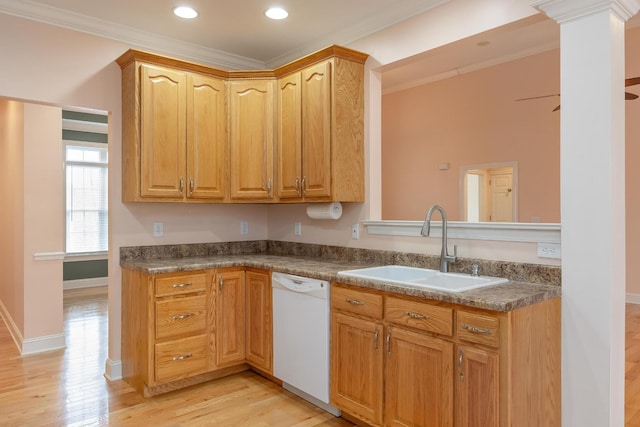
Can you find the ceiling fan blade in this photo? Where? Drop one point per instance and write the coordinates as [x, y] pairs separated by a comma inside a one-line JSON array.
[[538, 97], [556, 109], [632, 81], [628, 96]]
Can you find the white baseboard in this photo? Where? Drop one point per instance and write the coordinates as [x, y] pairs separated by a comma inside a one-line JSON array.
[[31, 345], [84, 283], [42, 344], [11, 326], [633, 298], [113, 370]]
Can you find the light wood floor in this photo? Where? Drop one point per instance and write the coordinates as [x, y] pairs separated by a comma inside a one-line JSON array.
[[67, 387]]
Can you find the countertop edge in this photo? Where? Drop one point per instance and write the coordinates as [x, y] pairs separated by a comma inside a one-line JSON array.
[[502, 298]]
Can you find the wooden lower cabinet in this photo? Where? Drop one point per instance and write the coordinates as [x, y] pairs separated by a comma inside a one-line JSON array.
[[405, 361], [229, 317], [418, 389], [477, 387], [259, 320], [356, 366]]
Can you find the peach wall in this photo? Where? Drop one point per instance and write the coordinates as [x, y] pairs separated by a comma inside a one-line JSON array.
[[43, 214], [12, 218], [472, 119], [632, 167]]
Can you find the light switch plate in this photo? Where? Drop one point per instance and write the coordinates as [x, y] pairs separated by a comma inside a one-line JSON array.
[[158, 229], [355, 231], [297, 228]]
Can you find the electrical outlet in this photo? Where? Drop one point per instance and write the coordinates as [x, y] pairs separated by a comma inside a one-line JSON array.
[[158, 229], [244, 227], [549, 250], [355, 231], [297, 228]]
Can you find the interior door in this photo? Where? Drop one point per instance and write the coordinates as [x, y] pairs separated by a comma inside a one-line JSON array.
[[501, 194]]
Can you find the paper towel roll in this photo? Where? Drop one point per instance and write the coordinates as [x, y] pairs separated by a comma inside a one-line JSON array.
[[325, 210]]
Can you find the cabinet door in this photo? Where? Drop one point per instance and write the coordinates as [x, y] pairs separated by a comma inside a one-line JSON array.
[[162, 133], [356, 366], [289, 163], [206, 138], [476, 387], [419, 388], [251, 139], [259, 327], [229, 333], [316, 130]]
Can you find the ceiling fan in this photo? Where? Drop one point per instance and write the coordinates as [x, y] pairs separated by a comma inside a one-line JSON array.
[[627, 95]]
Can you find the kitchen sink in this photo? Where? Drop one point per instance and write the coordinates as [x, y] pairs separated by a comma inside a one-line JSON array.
[[423, 278]]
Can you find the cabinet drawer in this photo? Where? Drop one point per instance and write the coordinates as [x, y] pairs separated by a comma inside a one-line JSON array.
[[181, 358], [420, 315], [478, 328], [357, 302], [180, 283], [178, 317]]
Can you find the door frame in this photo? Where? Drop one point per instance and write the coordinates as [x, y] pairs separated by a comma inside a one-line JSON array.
[[498, 165]]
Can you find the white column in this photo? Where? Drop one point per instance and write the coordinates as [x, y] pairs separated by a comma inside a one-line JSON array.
[[592, 207]]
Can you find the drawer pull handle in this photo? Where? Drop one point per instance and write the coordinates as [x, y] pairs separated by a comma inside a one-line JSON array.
[[354, 302], [182, 285], [182, 316], [415, 315], [475, 330], [186, 356]]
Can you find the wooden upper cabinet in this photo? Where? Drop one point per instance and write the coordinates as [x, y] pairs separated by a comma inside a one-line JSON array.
[[206, 138], [162, 132], [321, 132], [289, 137], [316, 130], [251, 139], [193, 133]]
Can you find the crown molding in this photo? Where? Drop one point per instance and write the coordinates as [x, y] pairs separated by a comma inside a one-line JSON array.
[[568, 10], [131, 36]]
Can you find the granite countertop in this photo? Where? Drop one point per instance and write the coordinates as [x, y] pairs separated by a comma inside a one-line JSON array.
[[505, 297]]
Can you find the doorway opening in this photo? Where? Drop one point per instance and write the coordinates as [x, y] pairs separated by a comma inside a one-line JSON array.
[[489, 192]]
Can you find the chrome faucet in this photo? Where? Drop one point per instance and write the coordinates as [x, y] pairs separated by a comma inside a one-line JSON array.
[[445, 258]]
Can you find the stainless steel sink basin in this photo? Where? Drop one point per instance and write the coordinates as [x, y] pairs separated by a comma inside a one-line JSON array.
[[423, 278]]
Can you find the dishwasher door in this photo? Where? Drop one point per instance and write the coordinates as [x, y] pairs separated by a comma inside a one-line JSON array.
[[301, 336]]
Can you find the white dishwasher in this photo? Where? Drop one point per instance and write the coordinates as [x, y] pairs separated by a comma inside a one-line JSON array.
[[301, 337]]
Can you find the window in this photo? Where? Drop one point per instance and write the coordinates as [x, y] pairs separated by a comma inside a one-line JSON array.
[[86, 197]]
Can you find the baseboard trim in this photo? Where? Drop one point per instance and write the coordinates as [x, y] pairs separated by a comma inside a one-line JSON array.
[[15, 333], [43, 344], [633, 298], [84, 283], [113, 370]]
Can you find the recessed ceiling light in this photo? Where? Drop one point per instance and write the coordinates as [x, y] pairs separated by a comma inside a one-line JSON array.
[[276, 13], [185, 12]]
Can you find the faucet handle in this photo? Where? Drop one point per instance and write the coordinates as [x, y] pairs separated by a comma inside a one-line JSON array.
[[474, 270]]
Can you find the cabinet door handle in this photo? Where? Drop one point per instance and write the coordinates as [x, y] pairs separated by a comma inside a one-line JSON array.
[[354, 301], [181, 285], [191, 186], [475, 330], [183, 357], [415, 315], [181, 186], [304, 185], [221, 283], [460, 357], [269, 187], [375, 339], [297, 185], [182, 316], [387, 342]]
